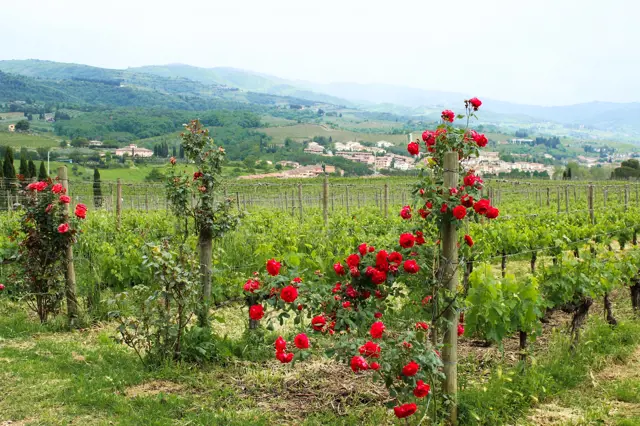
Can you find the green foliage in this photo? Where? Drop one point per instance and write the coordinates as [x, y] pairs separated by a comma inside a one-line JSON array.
[[42, 172], [22, 126]]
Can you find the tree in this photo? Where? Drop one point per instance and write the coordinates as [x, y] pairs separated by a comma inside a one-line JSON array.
[[63, 144], [173, 151], [22, 126], [24, 168], [31, 167], [97, 189], [181, 156], [9, 171], [42, 174], [155, 175]]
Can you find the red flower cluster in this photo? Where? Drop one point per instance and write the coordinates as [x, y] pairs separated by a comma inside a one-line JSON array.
[[289, 294], [484, 208], [256, 312], [407, 240], [422, 389], [370, 350], [358, 363], [81, 211], [58, 189], [411, 266], [411, 369], [37, 186], [448, 115], [413, 148], [405, 410], [197, 175], [251, 285], [405, 213], [377, 328], [65, 199]]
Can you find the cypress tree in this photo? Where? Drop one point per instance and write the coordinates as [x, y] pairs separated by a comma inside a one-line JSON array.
[[42, 174], [181, 151], [173, 152], [31, 166], [24, 168], [97, 190], [7, 167]]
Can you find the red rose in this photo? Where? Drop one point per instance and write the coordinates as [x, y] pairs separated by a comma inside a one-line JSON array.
[[459, 212], [64, 227], [420, 238], [379, 294], [1, 287], [81, 211], [58, 188], [467, 200], [372, 249], [395, 257], [354, 272], [351, 292], [370, 349], [480, 139], [358, 363], [453, 191], [411, 267], [172, 160], [251, 285], [407, 240], [481, 206], [405, 410], [468, 240], [410, 369], [448, 115], [475, 103], [65, 199], [422, 326], [273, 267], [366, 294], [426, 299], [429, 137], [296, 280], [353, 261], [301, 341], [346, 304], [37, 186], [339, 269], [444, 208], [377, 315], [378, 277], [460, 330], [369, 271], [284, 358], [362, 248], [197, 175], [318, 322], [280, 344], [374, 366], [413, 148], [407, 345], [256, 312], [49, 208], [405, 213], [492, 213], [377, 328], [289, 294], [423, 213], [422, 389]]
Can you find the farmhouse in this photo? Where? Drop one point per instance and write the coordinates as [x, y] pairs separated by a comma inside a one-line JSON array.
[[12, 127], [314, 148], [134, 151]]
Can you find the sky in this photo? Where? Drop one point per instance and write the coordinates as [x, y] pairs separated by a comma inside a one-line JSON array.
[[542, 52]]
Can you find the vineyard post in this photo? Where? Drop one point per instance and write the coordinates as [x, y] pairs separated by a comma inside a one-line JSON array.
[[548, 196], [286, 201], [575, 195], [590, 202], [9, 202], [70, 276], [386, 200], [347, 197], [626, 198], [146, 199], [558, 198], [300, 200], [325, 200], [566, 198], [118, 203], [238, 201], [450, 276], [604, 195]]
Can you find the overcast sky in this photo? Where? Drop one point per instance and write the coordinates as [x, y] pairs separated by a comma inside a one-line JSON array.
[[546, 52]]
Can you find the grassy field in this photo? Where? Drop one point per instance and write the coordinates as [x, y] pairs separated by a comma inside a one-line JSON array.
[[18, 140], [307, 131]]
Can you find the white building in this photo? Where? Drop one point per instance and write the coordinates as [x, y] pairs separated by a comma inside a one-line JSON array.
[[134, 151]]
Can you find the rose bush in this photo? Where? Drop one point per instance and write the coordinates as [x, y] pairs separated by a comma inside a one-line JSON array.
[[346, 307], [48, 231]]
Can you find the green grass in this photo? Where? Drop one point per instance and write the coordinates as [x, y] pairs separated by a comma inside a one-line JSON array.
[[18, 140]]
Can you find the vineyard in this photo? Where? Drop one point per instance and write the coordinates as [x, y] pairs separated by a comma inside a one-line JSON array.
[[327, 301]]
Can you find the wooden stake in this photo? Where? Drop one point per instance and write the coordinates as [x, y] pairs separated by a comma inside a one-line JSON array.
[[118, 203], [590, 202], [325, 201], [300, 200], [386, 200], [450, 277], [70, 276]]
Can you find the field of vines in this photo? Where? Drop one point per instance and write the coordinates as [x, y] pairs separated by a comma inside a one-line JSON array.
[[326, 301]]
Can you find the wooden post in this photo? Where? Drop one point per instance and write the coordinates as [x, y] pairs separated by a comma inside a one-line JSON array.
[[566, 199], [590, 202], [548, 197], [604, 195], [450, 277], [347, 197], [70, 276], [286, 201], [293, 204], [325, 201], [386, 200], [9, 206], [300, 200], [558, 198], [238, 201], [626, 198], [146, 200], [118, 203]]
